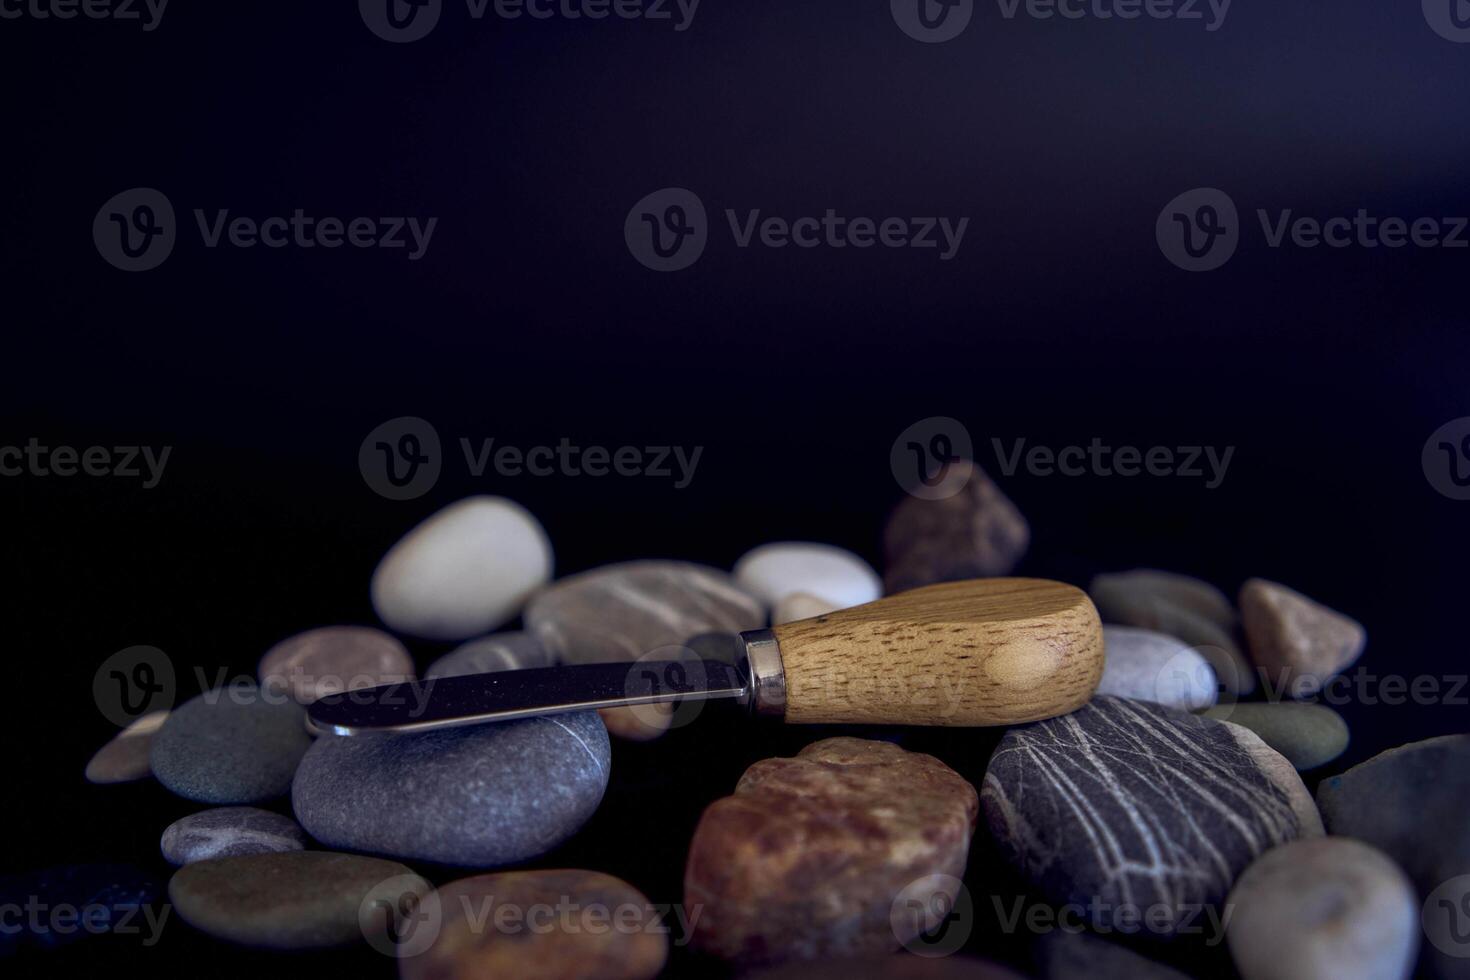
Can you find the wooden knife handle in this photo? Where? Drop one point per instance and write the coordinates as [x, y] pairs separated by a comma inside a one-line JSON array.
[[985, 652]]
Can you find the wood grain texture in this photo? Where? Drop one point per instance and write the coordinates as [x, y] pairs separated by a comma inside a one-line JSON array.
[[995, 651]]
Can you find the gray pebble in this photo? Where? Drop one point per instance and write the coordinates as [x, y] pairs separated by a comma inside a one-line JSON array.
[[621, 612], [477, 796], [231, 745], [1149, 666], [230, 831], [1309, 735], [1331, 908], [1137, 814]]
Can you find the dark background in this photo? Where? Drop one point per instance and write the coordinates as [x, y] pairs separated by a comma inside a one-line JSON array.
[[528, 321]]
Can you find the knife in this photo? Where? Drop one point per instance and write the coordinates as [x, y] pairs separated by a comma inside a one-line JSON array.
[[998, 651]]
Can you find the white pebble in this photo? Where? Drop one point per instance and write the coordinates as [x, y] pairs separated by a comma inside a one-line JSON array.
[[464, 571]]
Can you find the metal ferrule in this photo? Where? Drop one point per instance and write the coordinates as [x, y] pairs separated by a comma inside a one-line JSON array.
[[765, 676]]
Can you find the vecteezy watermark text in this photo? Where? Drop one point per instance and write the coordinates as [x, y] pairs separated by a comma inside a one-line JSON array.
[[402, 459], [668, 230], [405, 21], [144, 463], [1097, 458], [62, 919], [936, 21], [136, 231], [147, 13], [1200, 230]]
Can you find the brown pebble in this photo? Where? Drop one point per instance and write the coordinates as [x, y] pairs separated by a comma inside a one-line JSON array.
[[541, 925], [125, 758], [807, 858], [1298, 644], [975, 533]]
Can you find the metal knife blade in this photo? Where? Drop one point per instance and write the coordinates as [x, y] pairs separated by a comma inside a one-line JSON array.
[[473, 699]]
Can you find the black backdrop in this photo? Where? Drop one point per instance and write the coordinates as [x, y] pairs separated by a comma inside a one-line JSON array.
[[528, 321]]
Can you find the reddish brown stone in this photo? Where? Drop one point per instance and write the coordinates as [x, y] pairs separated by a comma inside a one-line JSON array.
[[806, 859], [541, 925], [976, 533]]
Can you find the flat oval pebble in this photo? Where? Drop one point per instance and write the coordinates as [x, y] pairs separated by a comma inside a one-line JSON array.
[[835, 575], [333, 659], [1331, 908], [464, 571], [542, 925], [1133, 813], [125, 758], [1296, 642], [1133, 599], [476, 796], [231, 745], [295, 900], [807, 858], [488, 654], [975, 533], [1115, 591], [1308, 735], [621, 612], [230, 831], [1149, 666]]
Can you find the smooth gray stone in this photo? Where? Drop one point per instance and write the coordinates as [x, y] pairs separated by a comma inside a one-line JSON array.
[[499, 651], [1136, 815], [1309, 735], [1411, 803], [1182, 591], [1330, 908], [296, 900], [478, 796], [1065, 954], [230, 831], [1128, 600], [622, 612], [1149, 666], [242, 748]]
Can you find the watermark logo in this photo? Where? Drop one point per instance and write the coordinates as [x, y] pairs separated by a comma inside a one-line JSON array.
[[932, 916], [1446, 459], [924, 458], [132, 683], [1446, 917], [148, 13], [667, 230], [1199, 230], [401, 21], [404, 21], [932, 21], [135, 231], [143, 463], [401, 459], [673, 672], [1450, 19], [401, 916]]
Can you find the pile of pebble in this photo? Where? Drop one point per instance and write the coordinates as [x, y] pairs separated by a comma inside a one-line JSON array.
[[1163, 796]]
